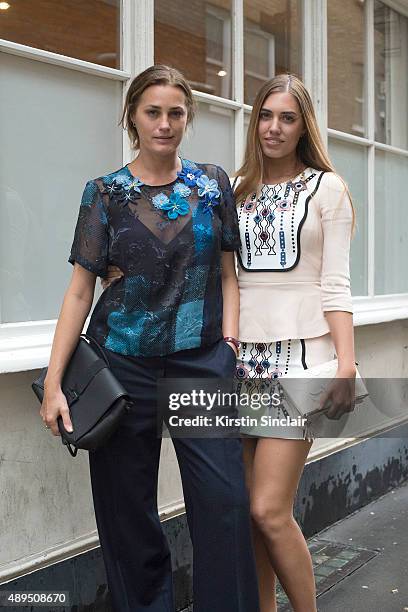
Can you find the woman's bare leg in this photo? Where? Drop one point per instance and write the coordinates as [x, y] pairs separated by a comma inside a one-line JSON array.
[[266, 575], [277, 465]]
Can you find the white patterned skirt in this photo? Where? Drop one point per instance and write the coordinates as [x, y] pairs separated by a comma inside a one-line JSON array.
[[259, 364]]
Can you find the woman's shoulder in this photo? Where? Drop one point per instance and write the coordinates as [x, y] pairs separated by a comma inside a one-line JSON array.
[[101, 188], [332, 181], [121, 175], [332, 193]]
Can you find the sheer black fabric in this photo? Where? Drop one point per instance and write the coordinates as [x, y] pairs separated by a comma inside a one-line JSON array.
[[168, 241]]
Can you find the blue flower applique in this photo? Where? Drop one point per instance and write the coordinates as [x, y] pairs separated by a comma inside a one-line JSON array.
[[131, 190], [123, 180], [160, 200], [123, 188], [208, 206], [189, 176], [182, 190], [176, 206], [134, 185], [208, 192], [207, 188], [112, 189]]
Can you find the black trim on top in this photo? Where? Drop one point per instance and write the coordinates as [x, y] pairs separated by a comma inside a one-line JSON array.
[[304, 364], [297, 240]]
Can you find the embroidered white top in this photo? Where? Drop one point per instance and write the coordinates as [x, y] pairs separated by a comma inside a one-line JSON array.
[[294, 257]]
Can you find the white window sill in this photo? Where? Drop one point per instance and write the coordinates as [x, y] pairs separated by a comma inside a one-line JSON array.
[[64, 61], [380, 309], [26, 346]]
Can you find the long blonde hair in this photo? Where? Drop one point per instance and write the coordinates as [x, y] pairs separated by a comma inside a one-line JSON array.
[[310, 149]]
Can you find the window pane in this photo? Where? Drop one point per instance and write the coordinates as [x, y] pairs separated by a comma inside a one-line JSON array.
[[346, 66], [350, 161], [247, 119], [211, 139], [391, 69], [272, 41], [391, 228], [195, 37], [46, 157], [89, 30]]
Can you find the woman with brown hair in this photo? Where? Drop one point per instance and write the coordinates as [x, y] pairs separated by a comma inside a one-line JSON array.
[[171, 227], [295, 218]]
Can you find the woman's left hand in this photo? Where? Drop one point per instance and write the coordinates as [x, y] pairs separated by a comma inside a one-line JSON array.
[[340, 395]]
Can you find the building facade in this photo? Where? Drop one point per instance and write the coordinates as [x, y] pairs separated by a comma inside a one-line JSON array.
[[64, 70]]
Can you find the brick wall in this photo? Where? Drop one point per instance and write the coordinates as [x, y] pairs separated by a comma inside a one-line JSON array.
[[83, 29]]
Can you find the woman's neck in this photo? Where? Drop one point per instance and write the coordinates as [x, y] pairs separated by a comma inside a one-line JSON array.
[[283, 168], [155, 169]]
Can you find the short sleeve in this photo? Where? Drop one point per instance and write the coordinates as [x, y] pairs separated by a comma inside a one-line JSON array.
[[90, 245], [230, 239], [337, 217]]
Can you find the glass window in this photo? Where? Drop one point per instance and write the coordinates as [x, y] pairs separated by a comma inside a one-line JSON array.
[[272, 41], [350, 161], [391, 70], [211, 138], [391, 229], [346, 66], [247, 119], [49, 151], [88, 31], [195, 37]]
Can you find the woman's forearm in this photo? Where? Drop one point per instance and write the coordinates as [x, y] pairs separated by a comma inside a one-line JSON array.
[[71, 321], [230, 315], [230, 296], [342, 332]]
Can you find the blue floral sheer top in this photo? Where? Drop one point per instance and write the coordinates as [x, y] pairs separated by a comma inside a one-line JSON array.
[[168, 241]]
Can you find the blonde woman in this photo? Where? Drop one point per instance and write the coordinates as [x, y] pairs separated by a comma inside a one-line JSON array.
[[296, 220]]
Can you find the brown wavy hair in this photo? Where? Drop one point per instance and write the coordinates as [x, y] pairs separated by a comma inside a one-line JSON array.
[[310, 149], [159, 74]]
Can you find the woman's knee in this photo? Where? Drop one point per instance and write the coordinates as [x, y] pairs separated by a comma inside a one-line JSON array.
[[272, 518]]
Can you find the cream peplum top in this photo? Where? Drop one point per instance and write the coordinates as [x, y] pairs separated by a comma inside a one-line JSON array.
[[294, 257]]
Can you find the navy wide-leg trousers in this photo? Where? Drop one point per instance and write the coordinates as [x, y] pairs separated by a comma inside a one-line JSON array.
[[124, 483]]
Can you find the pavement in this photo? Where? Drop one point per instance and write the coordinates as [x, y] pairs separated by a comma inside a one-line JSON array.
[[361, 562]]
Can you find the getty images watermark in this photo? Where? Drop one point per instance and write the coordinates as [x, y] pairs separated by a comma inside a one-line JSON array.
[[203, 409]]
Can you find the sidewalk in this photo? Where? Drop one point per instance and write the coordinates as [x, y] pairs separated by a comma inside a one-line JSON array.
[[361, 562]]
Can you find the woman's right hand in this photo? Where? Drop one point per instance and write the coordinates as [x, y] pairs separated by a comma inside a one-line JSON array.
[[113, 274], [55, 404]]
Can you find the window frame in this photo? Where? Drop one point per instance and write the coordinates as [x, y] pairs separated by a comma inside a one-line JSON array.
[[226, 19], [26, 345], [374, 308], [271, 44]]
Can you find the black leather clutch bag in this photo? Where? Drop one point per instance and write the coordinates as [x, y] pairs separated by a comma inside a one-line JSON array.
[[96, 400]]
